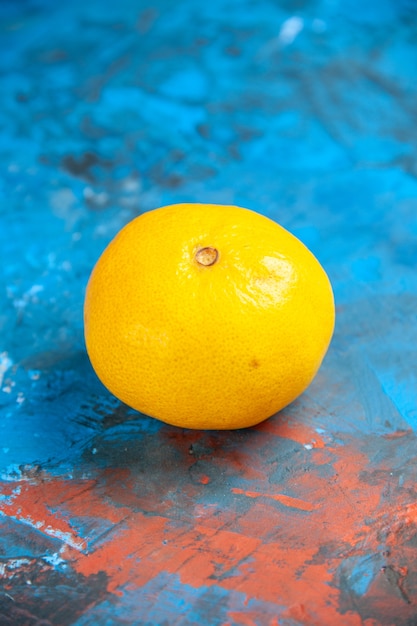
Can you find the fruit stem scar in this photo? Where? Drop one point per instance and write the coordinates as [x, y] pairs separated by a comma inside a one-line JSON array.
[[206, 256]]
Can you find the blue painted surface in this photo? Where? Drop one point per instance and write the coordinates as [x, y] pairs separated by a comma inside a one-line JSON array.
[[302, 110]]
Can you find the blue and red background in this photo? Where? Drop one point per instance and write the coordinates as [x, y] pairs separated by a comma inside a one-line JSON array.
[[305, 111]]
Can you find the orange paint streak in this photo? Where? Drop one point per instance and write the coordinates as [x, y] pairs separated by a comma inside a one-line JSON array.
[[398, 434], [271, 577], [32, 503], [131, 557], [295, 431], [294, 503], [43, 506], [410, 513], [148, 545]]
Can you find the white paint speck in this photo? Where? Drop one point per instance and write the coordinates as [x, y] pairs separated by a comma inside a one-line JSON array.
[[12, 473], [290, 30], [308, 446], [34, 290], [66, 537], [5, 364], [17, 563], [131, 185], [99, 198], [53, 559], [29, 295]]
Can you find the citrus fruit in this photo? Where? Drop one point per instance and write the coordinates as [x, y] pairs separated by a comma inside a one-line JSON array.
[[207, 316]]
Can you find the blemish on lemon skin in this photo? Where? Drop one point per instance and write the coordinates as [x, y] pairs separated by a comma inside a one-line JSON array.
[[254, 364]]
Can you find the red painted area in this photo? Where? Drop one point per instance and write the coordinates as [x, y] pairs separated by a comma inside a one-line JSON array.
[[294, 503], [288, 429], [148, 545], [261, 549], [32, 503], [50, 505]]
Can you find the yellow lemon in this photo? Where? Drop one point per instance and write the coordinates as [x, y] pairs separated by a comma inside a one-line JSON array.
[[207, 316]]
